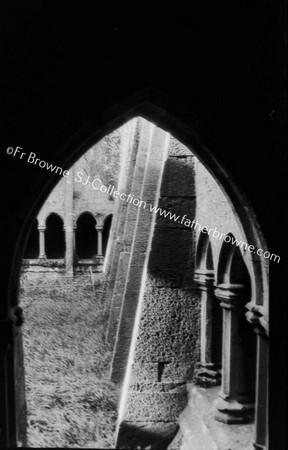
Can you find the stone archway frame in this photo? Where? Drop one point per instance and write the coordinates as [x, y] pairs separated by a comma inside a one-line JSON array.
[[188, 128]]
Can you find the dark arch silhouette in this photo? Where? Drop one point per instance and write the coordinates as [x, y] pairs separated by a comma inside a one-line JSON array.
[[167, 114], [86, 236], [54, 237], [32, 245], [106, 232]]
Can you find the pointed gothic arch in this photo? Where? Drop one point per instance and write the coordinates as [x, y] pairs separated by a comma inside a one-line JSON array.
[[204, 254], [155, 107]]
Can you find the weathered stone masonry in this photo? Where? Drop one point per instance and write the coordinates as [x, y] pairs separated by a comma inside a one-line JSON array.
[[172, 317], [167, 345]]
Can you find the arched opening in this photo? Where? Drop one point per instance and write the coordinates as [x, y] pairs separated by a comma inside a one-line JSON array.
[[54, 237], [106, 232], [32, 246], [86, 236], [163, 362]]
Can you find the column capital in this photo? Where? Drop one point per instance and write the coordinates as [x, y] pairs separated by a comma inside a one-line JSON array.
[[204, 279], [69, 228], [232, 295], [257, 315], [41, 227], [99, 227], [208, 374]]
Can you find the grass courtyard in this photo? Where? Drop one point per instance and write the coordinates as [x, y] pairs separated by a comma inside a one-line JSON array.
[[70, 401]]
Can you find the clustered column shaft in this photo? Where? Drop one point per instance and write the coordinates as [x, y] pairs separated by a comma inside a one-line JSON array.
[[233, 404], [208, 373]]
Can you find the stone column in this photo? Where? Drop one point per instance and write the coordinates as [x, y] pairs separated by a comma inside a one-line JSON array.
[[69, 222], [41, 230], [99, 229], [208, 373], [75, 256], [257, 316], [232, 405]]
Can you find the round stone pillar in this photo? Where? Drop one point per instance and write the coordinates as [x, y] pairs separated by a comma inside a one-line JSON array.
[[69, 253], [99, 240], [41, 230]]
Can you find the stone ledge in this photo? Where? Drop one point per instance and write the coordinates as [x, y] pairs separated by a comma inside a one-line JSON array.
[[200, 430]]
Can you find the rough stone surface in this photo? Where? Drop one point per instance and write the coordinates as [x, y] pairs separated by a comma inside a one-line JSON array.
[[174, 250], [179, 179], [169, 326], [166, 406], [177, 149]]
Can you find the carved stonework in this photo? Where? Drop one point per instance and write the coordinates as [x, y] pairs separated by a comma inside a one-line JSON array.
[[257, 315], [208, 374], [204, 279]]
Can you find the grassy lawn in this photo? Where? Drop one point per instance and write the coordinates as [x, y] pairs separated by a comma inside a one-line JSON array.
[[70, 401]]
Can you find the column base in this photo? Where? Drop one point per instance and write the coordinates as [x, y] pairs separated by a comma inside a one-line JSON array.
[[208, 374], [69, 272], [98, 259], [233, 411], [259, 446]]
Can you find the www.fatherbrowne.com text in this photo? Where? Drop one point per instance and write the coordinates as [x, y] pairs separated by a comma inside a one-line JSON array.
[[97, 184]]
